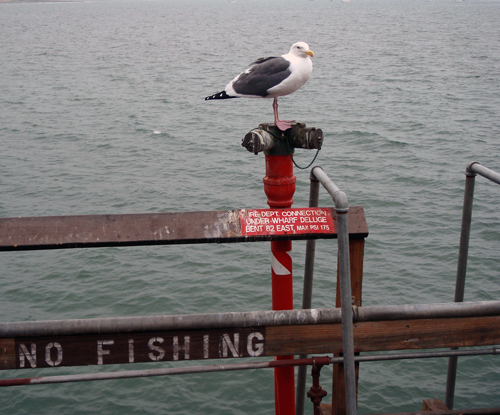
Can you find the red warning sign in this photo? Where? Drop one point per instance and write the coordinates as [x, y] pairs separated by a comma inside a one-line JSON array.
[[286, 221]]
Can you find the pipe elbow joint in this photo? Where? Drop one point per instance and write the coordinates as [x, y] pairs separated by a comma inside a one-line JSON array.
[[341, 202], [338, 196], [312, 176], [469, 171]]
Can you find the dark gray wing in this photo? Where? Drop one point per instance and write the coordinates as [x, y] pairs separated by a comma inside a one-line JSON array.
[[262, 75]]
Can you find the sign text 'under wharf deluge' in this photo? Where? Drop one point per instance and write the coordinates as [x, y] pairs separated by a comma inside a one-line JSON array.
[[286, 221]]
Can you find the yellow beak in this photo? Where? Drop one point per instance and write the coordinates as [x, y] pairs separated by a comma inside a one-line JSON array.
[[310, 53]]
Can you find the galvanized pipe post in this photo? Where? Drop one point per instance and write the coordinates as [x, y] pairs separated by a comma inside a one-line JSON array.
[[307, 293], [279, 186], [346, 308], [461, 272], [471, 172], [342, 208]]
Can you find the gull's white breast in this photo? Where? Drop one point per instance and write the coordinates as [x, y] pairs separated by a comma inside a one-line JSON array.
[[301, 70]]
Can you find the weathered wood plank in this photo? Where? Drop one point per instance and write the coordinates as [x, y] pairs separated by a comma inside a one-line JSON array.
[[385, 335], [7, 353], [426, 334], [433, 405], [165, 345], [62, 232]]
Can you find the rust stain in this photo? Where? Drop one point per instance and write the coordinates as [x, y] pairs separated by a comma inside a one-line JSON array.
[[226, 224]]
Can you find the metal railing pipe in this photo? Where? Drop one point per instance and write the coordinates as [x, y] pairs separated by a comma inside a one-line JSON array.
[[426, 355], [172, 322], [427, 311], [339, 197], [242, 366], [476, 167], [471, 171], [465, 234], [347, 313], [157, 372], [245, 319], [342, 208], [461, 272], [307, 294], [310, 248]]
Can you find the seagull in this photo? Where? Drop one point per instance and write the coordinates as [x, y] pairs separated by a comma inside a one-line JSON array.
[[272, 77]]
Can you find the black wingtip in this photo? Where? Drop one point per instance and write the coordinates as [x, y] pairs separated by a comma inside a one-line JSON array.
[[219, 95]]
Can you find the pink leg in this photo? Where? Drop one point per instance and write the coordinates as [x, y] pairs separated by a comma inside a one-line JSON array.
[[281, 124]]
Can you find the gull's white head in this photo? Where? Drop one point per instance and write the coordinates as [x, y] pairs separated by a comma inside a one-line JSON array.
[[301, 49]]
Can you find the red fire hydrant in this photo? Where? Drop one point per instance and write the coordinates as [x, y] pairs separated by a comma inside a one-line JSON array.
[[279, 186]]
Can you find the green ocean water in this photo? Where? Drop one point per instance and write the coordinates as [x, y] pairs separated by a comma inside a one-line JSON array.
[[102, 111]]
